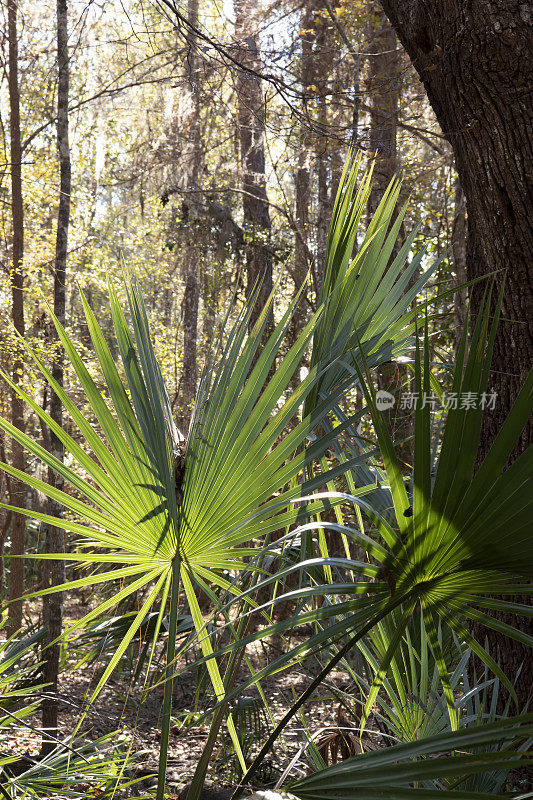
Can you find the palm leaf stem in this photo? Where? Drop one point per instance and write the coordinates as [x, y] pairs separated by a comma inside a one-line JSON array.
[[392, 604], [236, 657], [169, 678]]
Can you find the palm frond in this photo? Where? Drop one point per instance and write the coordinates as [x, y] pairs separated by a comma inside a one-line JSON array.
[[416, 770]]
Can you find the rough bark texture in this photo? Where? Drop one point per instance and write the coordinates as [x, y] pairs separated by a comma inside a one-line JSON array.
[[54, 571], [251, 122], [383, 86], [475, 60], [190, 168], [460, 298], [17, 489]]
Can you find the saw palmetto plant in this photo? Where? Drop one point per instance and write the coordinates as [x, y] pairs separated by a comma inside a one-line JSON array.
[[458, 546], [155, 528], [150, 516], [155, 515], [424, 768], [76, 770], [412, 704]]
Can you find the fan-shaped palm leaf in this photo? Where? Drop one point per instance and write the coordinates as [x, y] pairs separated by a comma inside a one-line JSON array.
[[464, 536], [367, 291], [237, 471]]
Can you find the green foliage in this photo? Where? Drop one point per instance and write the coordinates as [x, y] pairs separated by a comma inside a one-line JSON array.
[[154, 513], [450, 548], [20, 675], [415, 770], [75, 771], [366, 291]]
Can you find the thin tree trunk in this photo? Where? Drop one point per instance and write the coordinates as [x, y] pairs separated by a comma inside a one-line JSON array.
[[192, 158], [54, 571], [18, 491], [302, 181], [210, 292], [323, 65], [251, 122], [460, 298], [383, 86], [475, 60]]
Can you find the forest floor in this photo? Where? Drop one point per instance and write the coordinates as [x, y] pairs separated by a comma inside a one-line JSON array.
[[118, 710]]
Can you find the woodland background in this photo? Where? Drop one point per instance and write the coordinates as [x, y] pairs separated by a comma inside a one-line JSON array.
[[200, 145]]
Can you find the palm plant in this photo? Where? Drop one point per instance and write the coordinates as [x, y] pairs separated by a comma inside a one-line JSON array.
[[160, 518], [153, 530], [70, 770], [412, 704], [463, 537], [391, 772], [366, 292], [20, 677]]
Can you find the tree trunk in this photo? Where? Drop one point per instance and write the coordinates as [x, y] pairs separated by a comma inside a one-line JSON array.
[[251, 122], [475, 60], [302, 181], [383, 87], [18, 491], [54, 571], [460, 298], [323, 66], [192, 158]]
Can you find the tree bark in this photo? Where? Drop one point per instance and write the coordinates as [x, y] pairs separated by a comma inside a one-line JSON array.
[[302, 180], [475, 60], [460, 298], [18, 491], [54, 571], [383, 87], [323, 65], [191, 161], [251, 123]]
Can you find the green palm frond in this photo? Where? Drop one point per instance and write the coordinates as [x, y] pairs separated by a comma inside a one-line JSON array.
[[463, 537], [464, 533], [238, 466], [97, 767], [417, 770], [367, 291]]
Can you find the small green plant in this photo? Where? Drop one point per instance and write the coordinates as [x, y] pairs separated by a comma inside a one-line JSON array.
[[76, 770]]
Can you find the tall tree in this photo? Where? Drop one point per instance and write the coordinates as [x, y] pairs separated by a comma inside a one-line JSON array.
[[54, 571], [251, 124], [383, 87], [475, 60], [323, 63], [18, 492], [190, 168], [302, 181]]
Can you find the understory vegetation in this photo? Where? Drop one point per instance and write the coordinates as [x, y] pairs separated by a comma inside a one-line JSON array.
[[266, 394], [286, 533]]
